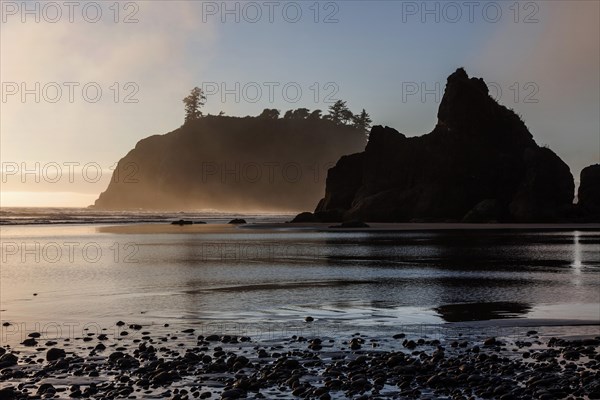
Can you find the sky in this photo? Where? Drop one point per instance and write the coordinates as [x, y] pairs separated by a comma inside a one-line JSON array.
[[83, 82]]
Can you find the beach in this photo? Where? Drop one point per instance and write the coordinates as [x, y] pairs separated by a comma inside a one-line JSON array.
[[135, 361], [299, 305]]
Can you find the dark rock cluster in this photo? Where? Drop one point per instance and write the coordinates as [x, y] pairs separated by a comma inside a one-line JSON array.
[[479, 164], [358, 367]]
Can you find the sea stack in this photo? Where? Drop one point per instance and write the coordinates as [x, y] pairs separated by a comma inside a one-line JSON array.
[[479, 164], [589, 192]]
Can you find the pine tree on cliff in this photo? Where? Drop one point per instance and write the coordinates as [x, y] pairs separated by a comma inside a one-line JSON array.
[[193, 102], [339, 113], [362, 121]]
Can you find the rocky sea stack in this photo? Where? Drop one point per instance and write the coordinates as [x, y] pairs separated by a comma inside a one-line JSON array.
[[231, 164], [589, 192], [479, 164]]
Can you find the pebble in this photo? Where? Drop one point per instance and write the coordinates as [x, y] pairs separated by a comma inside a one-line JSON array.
[[232, 367]]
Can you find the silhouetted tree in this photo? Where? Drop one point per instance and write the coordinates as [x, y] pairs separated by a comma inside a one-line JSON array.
[[301, 113], [221, 113], [362, 121], [347, 117], [269, 113], [193, 102], [315, 115], [339, 113]]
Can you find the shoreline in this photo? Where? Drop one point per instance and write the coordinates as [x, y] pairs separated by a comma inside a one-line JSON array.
[[428, 226], [199, 222], [166, 227]]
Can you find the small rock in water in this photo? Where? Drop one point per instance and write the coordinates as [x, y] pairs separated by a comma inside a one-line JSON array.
[[181, 222], [305, 217], [355, 343], [120, 323], [409, 344], [309, 319], [489, 341], [237, 221], [354, 224], [351, 224]]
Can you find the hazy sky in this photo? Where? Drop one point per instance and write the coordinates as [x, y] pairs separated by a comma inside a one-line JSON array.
[[391, 58]]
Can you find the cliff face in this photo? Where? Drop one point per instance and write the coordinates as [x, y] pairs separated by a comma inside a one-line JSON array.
[[479, 164], [231, 164]]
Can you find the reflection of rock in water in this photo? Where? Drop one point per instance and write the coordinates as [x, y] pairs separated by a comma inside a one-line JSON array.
[[481, 311]]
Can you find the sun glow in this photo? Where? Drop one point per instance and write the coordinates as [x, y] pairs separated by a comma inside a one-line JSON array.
[[46, 199]]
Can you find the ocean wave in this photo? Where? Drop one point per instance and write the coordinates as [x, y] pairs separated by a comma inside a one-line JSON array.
[[47, 216]]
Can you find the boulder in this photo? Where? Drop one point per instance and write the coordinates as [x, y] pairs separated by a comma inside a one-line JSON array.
[[55, 354], [305, 217]]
